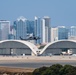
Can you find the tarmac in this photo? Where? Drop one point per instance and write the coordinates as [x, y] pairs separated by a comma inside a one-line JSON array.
[[39, 58], [36, 61]]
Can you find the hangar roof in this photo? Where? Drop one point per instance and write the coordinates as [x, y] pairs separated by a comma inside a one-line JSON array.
[[26, 43], [60, 44]]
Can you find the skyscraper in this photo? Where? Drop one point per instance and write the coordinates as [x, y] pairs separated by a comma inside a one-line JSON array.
[[4, 29], [30, 27], [72, 33], [21, 28], [37, 29], [43, 31], [54, 34], [47, 29], [12, 34], [62, 33], [59, 33]]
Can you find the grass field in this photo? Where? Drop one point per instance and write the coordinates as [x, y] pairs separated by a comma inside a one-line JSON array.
[[15, 71]]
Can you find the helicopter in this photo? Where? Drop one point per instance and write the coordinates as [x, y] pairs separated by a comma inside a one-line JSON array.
[[31, 38]]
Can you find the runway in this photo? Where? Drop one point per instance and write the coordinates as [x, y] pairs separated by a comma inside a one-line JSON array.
[[35, 64]]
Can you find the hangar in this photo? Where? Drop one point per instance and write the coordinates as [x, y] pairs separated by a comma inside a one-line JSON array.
[[17, 47], [58, 47]]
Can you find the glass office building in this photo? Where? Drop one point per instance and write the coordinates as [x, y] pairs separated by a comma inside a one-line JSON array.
[[4, 29], [37, 29], [62, 33], [30, 27], [72, 31], [21, 28]]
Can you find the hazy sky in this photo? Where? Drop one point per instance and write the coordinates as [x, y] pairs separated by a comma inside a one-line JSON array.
[[61, 12]]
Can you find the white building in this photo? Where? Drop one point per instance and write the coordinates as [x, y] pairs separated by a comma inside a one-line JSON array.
[[46, 22], [4, 29], [54, 34], [43, 31]]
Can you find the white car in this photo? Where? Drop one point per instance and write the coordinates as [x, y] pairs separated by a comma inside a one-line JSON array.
[[73, 54]]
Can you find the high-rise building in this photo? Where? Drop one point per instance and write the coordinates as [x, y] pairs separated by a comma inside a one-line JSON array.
[[21, 27], [47, 29], [46, 34], [54, 34], [43, 31], [30, 27], [72, 33], [59, 33], [4, 29], [62, 33], [37, 29], [12, 34]]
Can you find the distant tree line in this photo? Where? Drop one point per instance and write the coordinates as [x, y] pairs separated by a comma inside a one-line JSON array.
[[55, 69]]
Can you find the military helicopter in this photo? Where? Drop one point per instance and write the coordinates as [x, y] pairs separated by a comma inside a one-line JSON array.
[[30, 38]]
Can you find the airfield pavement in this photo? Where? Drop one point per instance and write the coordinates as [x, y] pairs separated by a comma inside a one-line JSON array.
[[37, 58], [32, 59]]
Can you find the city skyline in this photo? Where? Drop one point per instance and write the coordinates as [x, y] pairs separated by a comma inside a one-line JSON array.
[[23, 29], [60, 12]]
